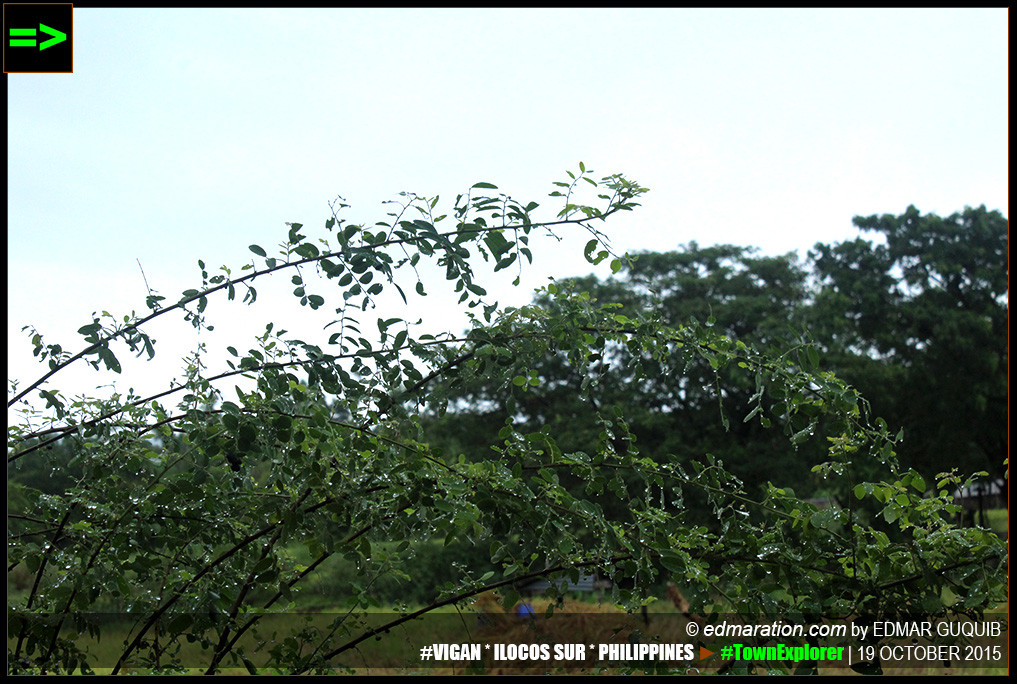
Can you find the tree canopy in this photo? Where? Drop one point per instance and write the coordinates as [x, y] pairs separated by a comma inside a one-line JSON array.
[[199, 510], [918, 325], [918, 322]]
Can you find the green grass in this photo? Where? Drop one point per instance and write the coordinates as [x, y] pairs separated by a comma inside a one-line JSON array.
[[999, 520]]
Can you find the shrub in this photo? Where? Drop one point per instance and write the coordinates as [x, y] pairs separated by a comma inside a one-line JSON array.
[[186, 504]]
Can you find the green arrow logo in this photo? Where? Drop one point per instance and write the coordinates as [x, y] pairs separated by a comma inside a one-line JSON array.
[[29, 40]]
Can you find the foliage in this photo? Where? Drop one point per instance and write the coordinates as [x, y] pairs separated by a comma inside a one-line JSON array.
[[918, 324], [683, 410], [184, 515]]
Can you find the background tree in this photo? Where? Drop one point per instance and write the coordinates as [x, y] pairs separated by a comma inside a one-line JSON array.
[[918, 322], [198, 519]]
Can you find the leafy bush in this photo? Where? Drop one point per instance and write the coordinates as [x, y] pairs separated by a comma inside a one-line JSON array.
[[186, 505]]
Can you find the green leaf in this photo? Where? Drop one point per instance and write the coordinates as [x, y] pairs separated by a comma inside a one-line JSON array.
[[384, 324], [258, 250], [109, 359], [307, 250], [497, 243]]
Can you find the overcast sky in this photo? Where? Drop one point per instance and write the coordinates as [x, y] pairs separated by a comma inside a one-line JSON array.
[[187, 134]]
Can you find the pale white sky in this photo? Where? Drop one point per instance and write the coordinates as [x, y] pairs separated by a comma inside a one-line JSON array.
[[187, 134]]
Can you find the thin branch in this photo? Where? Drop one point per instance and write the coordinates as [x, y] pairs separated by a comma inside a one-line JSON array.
[[181, 304]]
